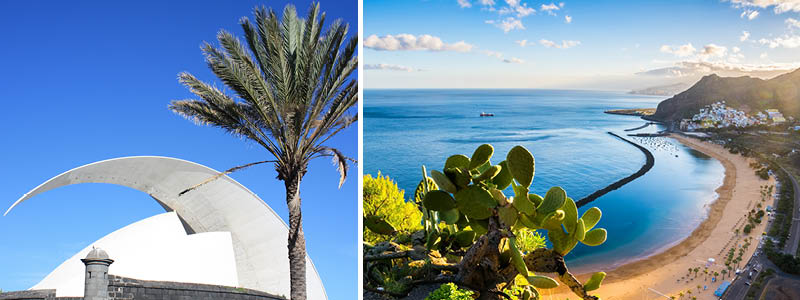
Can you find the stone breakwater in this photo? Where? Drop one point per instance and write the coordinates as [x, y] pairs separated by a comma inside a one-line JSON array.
[[648, 164]]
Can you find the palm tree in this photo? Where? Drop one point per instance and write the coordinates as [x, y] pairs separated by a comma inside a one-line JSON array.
[[294, 92], [695, 272], [723, 273], [681, 295]]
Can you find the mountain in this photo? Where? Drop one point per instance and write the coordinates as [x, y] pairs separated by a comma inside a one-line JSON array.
[[743, 93], [663, 90]]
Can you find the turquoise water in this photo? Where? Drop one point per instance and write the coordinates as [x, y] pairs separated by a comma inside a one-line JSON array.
[[566, 132]]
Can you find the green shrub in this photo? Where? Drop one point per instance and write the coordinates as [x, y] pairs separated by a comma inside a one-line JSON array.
[[449, 291], [382, 198]]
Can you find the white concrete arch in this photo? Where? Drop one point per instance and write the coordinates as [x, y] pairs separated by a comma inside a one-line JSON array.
[[258, 234]]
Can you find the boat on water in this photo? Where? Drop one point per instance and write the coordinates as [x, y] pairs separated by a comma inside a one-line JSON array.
[[485, 114]]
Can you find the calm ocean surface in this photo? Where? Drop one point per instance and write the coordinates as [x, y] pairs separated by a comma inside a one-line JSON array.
[[566, 132]]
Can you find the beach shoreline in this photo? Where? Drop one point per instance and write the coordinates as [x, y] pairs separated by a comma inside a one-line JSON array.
[[660, 271]]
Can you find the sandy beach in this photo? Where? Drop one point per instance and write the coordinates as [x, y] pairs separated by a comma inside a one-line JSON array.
[[666, 273]]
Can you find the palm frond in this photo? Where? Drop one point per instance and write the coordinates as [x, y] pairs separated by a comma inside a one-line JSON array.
[[339, 159], [290, 79], [223, 173]]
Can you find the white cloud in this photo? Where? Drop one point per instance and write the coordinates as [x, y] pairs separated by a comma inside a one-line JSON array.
[[679, 51], [736, 56], [499, 56], [564, 44], [792, 23], [464, 3], [494, 54], [745, 36], [549, 8], [785, 41], [389, 67], [712, 50], [522, 43], [486, 2], [514, 60], [749, 14], [516, 7], [567, 19], [763, 55], [408, 42], [508, 24], [779, 6], [700, 68]]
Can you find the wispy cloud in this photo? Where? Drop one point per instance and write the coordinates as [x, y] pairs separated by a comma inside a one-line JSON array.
[[567, 19], [566, 44], [785, 41], [745, 36], [701, 68], [389, 67], [516, 7], [494, 54], [514, 60], [679, 51], [778, 6], [549, 8], [749, 14], [792, 23], [508, 14], [522, 43], [712, 50], [408, 42], [508, 24], [499, 56]]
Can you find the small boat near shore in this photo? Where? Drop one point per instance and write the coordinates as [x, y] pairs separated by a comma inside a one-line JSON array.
[[485, 114]]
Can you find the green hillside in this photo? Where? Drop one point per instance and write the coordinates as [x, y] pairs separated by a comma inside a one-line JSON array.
[[744, 93]]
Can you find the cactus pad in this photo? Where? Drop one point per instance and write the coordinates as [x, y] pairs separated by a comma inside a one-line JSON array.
[[594, 282], [438, 201], [475, 202], [542, 282], [378, 224], [554, 199], [521, 164], [481, 156], [504, 178], [443, 182], [591, 217], [595, 237], [457, 161]]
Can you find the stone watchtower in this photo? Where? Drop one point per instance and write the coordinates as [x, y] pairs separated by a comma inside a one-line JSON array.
[[96, 286]]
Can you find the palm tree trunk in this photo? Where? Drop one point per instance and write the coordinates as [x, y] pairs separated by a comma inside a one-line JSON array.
[[297, 241]]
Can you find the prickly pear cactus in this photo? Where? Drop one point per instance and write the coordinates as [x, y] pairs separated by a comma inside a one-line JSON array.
[[467, 214], [479, 197]]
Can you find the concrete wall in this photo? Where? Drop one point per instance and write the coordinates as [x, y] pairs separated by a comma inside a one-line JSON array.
[[122, 288]]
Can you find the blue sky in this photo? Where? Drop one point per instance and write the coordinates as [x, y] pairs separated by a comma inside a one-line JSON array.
[[605, 45], [88, 81]]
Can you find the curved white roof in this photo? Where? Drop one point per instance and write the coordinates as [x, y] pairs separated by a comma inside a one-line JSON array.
[[258, 234], [156, 248]]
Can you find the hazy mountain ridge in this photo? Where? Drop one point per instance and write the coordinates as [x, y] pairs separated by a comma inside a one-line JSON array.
[[744, 93], [663, 90]]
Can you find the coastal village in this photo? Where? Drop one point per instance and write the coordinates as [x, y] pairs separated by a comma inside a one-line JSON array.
[[718, 115]]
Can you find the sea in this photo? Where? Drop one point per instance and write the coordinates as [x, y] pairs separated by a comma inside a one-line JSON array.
[[566, 131]]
